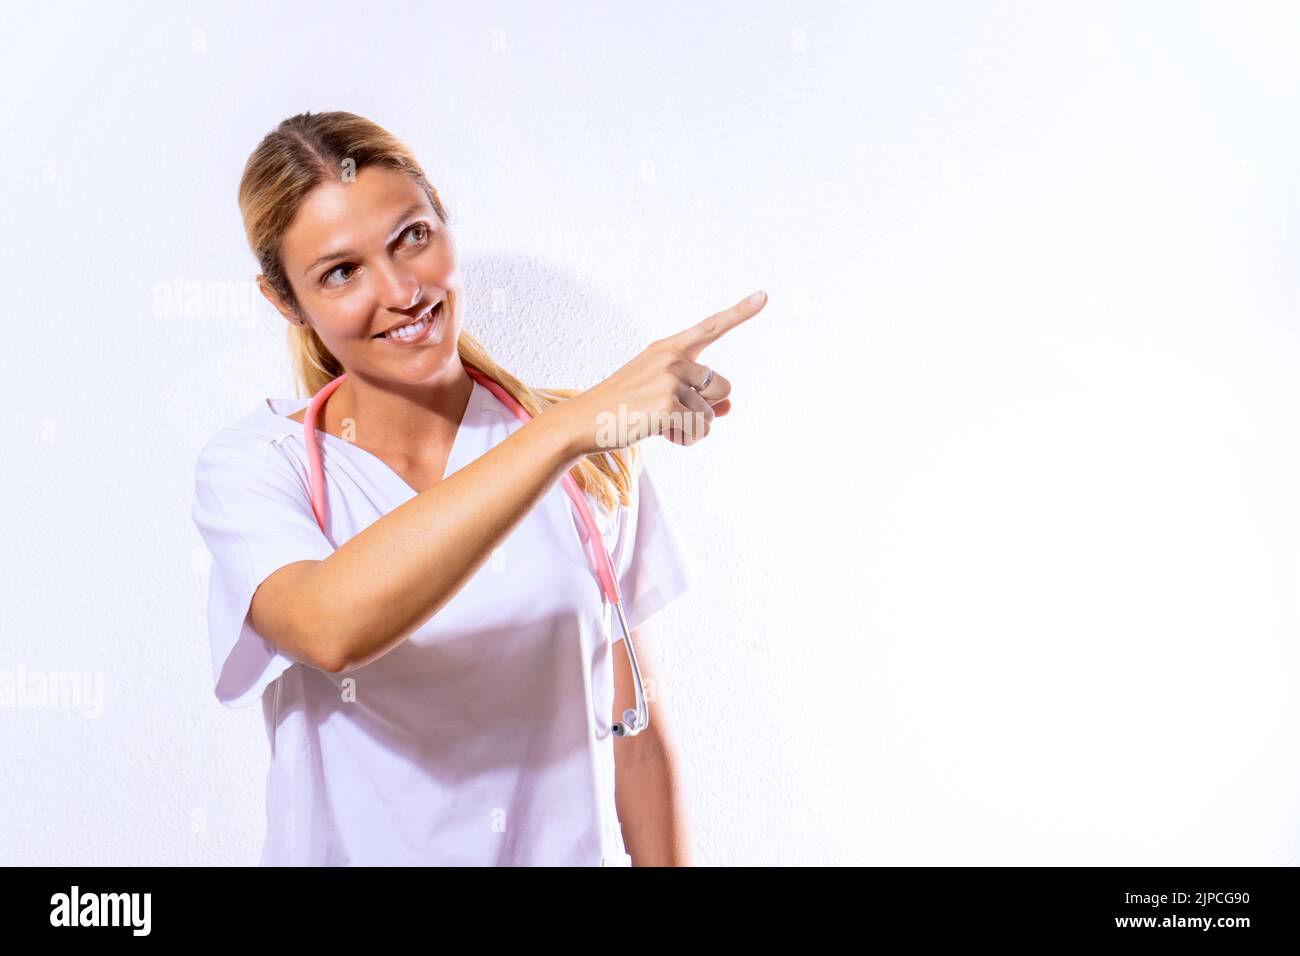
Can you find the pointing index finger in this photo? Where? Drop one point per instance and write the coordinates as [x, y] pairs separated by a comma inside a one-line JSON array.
[[693, 340]]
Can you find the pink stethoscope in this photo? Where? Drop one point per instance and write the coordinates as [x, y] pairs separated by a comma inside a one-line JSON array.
[[634, 721]]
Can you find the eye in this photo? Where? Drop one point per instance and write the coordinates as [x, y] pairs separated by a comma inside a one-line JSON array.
[[324, 280], [424, 234]]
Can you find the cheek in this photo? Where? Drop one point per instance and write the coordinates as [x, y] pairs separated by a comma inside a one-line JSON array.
[[448, 327], [456, 316], [345, 321]]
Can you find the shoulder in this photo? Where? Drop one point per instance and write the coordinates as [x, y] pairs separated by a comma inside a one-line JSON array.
[[491, 406], [249, 446], [623, 516]]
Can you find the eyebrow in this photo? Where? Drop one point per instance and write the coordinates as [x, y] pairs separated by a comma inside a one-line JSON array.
[[352, 253]]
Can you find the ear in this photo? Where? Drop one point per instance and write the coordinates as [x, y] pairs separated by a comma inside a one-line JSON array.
[[280, 305]]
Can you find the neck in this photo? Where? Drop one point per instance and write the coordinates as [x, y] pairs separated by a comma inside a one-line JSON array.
[[397, 418]]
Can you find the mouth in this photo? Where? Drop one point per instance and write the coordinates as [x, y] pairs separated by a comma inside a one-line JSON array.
[[415, 331]]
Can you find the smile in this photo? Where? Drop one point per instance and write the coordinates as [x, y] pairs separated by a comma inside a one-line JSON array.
[[413, 332]]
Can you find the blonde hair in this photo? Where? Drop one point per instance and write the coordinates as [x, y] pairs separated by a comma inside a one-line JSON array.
[[311, 148]]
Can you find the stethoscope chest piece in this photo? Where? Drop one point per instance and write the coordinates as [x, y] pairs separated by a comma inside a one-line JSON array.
[[634, 721]]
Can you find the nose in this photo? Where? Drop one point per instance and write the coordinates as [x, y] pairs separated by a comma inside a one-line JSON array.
[[399, 288]]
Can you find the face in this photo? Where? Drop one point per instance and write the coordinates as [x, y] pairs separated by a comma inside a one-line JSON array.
[[368, 260]]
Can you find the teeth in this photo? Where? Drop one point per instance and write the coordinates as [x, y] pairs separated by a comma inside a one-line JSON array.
[[415, 328], [406, 331]]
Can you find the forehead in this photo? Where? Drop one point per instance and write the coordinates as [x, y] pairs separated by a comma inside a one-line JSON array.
[[339, 215]]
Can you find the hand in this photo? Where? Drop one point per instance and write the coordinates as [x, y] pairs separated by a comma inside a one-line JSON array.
[[655, 394]]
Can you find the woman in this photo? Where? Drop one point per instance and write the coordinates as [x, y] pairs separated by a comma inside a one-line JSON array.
[[432, 650]]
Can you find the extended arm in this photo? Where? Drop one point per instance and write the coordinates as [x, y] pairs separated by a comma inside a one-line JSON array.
[[381, 585]]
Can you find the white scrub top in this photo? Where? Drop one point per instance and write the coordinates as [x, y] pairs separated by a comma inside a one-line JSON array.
[[484, 738]]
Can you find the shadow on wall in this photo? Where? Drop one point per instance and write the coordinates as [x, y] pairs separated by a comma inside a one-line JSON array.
[[547, 326]]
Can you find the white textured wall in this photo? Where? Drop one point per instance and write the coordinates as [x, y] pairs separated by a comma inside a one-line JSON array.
[[1002, 536]]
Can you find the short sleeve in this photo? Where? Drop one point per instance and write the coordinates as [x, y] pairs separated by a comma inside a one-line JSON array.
[[252, 510], [654, 564]]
